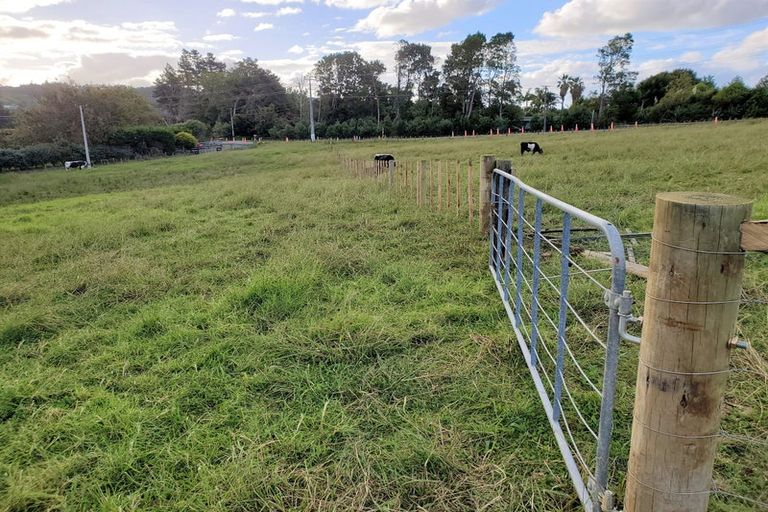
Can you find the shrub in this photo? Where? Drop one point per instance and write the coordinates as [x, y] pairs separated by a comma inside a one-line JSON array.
[[193, 126], [185, 140], [145, 140], [10, 159]]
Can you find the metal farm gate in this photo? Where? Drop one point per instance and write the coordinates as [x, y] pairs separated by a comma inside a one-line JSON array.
[[567, 315]]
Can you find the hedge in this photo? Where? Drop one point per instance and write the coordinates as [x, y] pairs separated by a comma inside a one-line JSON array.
[[145, 140]]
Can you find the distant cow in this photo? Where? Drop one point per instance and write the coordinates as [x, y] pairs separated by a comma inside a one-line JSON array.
[[530, 147], [382, 161], [76, 164]]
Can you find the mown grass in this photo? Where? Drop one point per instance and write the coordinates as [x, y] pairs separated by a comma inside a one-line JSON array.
[[257, 331]]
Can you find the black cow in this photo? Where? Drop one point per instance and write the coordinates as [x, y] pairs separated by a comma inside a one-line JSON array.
[[530, 147], [382, 161]]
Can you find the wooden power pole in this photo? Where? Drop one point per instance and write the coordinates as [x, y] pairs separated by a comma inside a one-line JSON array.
[[691, 305]]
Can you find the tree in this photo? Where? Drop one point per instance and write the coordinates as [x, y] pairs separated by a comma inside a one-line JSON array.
[[576, 86], [462, 71], [203, 88], [543, 100], [564, 83], [348, 86], [413, 63], [675, 96], [56, 116], [614, 73], [502, 71], [6, 119], [731, 100], [171, 94], [249, 90]]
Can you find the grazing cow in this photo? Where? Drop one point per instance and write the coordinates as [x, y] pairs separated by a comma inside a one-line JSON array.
[[383, 157], [382, 161], [76, 164], [530, 147]]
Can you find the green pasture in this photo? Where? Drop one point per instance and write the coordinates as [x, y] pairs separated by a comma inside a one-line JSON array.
[[258, 330]]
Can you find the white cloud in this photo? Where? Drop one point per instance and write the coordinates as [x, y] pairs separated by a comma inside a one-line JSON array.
[[272, 2], [546, 72], [256, 14], [288, 11], [356, 4], [219, 37], [551, 46], [296, 49], [263, 26], [18, 6], [226, 13], [230, 55], [409, 17], [615, 16], [39, 50], [750, 54]]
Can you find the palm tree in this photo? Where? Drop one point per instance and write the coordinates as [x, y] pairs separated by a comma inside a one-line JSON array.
[[576, 85], [564, 83]]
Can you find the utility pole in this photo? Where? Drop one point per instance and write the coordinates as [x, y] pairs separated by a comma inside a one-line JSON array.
[[232, 113], [311, 113], [85, 138]]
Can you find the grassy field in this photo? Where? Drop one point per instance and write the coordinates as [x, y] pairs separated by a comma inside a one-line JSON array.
[[256, 330]]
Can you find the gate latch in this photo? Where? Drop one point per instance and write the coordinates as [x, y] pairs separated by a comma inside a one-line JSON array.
[[623, 303]]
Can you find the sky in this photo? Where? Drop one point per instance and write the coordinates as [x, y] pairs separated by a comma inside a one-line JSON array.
[[130, 41]]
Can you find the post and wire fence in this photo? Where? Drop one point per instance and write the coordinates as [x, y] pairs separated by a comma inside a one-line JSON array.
[[699, 435], [450, 186]]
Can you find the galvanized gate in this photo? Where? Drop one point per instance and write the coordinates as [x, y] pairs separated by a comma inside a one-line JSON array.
[[568, 318]]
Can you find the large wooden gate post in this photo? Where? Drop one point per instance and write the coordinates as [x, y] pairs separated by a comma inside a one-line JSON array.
[[691, 305], [486, 175]]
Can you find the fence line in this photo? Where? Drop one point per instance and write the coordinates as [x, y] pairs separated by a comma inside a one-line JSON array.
[[541, 256], [443, 185]]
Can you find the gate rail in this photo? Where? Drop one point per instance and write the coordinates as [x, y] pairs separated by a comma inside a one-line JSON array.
[[524, 300]]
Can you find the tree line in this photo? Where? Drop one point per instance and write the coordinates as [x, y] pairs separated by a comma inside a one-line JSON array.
[[476, 87]]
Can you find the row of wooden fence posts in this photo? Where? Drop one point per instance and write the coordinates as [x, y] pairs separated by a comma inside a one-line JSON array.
[[443, 185]]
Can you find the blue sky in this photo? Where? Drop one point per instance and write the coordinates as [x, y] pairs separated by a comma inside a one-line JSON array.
[[110, 41]]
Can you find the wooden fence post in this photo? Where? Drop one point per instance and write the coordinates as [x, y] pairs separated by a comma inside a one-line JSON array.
[[439, 185], [422, 182], [486, 174], [470, 207], [391, 174], [691, 305]]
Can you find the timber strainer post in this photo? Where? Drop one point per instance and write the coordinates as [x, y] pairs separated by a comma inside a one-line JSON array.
[[691, 305]]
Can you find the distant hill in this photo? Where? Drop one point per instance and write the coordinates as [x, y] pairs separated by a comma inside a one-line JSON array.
[[22, 96], [26, 95]]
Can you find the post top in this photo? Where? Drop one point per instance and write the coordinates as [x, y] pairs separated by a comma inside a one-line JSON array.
[[703, 198]]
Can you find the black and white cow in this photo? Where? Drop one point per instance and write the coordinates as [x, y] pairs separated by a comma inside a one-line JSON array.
[[530, 147], [76, 164]]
